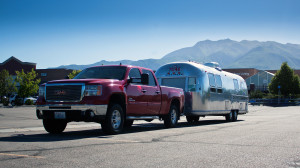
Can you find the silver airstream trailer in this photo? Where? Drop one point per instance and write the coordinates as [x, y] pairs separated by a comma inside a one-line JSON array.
[[208, 89]]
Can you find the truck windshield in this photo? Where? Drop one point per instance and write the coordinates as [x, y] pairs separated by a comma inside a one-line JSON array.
[[110, 72]]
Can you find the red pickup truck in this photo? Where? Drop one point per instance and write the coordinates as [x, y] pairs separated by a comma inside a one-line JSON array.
[[113, 96]]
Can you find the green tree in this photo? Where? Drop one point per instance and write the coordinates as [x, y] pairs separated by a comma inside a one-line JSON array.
[[7, 84], [29, 85], [287, 80], [296, 84], [74, 73]]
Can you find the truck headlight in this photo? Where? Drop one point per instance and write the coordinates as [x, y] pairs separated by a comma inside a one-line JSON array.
[[42, 91], [93, 90]]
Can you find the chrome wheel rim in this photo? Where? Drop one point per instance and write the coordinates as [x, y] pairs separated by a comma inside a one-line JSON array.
[[116, 119], [173, 116]]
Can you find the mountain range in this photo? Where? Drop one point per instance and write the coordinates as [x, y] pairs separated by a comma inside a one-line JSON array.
[[228, 53]]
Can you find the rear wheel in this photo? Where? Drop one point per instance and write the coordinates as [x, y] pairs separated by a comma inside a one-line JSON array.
[[171, 119], [234, 116], [192, 119], [54, 126], [229, 116], [114, 121]]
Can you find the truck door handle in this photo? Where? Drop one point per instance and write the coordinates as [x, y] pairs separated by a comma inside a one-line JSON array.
[[157, 92], [144, 90]]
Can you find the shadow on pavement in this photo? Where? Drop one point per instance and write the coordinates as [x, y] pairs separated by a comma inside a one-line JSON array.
[[97, 133]]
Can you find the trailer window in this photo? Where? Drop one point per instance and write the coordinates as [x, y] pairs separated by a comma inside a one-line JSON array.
[[212, 81], [219, 84], [243, 87], [173, 82], [218, 81], [192, 84], [236, 84]]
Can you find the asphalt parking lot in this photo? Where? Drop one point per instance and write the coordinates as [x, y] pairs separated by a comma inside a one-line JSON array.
[[265, 137]]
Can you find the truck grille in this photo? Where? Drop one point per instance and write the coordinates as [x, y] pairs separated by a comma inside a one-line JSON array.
[[66, 93]]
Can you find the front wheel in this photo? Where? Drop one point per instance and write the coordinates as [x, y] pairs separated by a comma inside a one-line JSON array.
[[54, 126], [114, 121], [171, 119]]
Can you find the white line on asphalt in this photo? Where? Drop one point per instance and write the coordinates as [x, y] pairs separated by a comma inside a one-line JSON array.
[[27, 156]]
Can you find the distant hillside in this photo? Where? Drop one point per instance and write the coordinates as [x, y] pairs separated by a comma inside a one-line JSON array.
[[229, 54]]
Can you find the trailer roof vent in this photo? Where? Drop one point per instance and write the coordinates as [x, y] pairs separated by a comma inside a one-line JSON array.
[[213, 65]]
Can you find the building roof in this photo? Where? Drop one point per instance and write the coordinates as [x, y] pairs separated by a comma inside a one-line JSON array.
[[12, 58], [13, 64]]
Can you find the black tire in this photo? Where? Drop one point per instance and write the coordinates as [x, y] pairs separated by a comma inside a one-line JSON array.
[[229, 116], [13, 103], [128, 123], [114, 120], [234, 115], [171, 119], [192, 119], [54, 126]]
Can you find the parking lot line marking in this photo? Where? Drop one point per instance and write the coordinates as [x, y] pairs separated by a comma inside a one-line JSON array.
[[27, 156]]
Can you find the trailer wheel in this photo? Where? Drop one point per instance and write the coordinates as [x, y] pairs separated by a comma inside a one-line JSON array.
[[192, 119], [54, 126], [234, 115], [229, 116], [171, 119], [114, 120]]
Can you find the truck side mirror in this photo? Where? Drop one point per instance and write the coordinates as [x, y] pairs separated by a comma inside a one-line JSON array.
[[145, 79], [129, 81]]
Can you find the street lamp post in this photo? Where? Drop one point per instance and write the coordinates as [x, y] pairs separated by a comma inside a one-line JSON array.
[[279, 93]]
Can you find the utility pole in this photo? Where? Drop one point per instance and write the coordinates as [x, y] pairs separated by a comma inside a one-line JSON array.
[[279, 93]]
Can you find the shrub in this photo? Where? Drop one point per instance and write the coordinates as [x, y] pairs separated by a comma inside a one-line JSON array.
[[270, 96], [29, 102], [256, 95]]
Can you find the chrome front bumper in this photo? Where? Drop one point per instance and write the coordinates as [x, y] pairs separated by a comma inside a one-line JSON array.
[[99, 110]]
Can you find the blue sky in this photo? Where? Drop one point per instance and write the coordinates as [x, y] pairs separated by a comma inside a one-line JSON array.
[[61, 32]]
